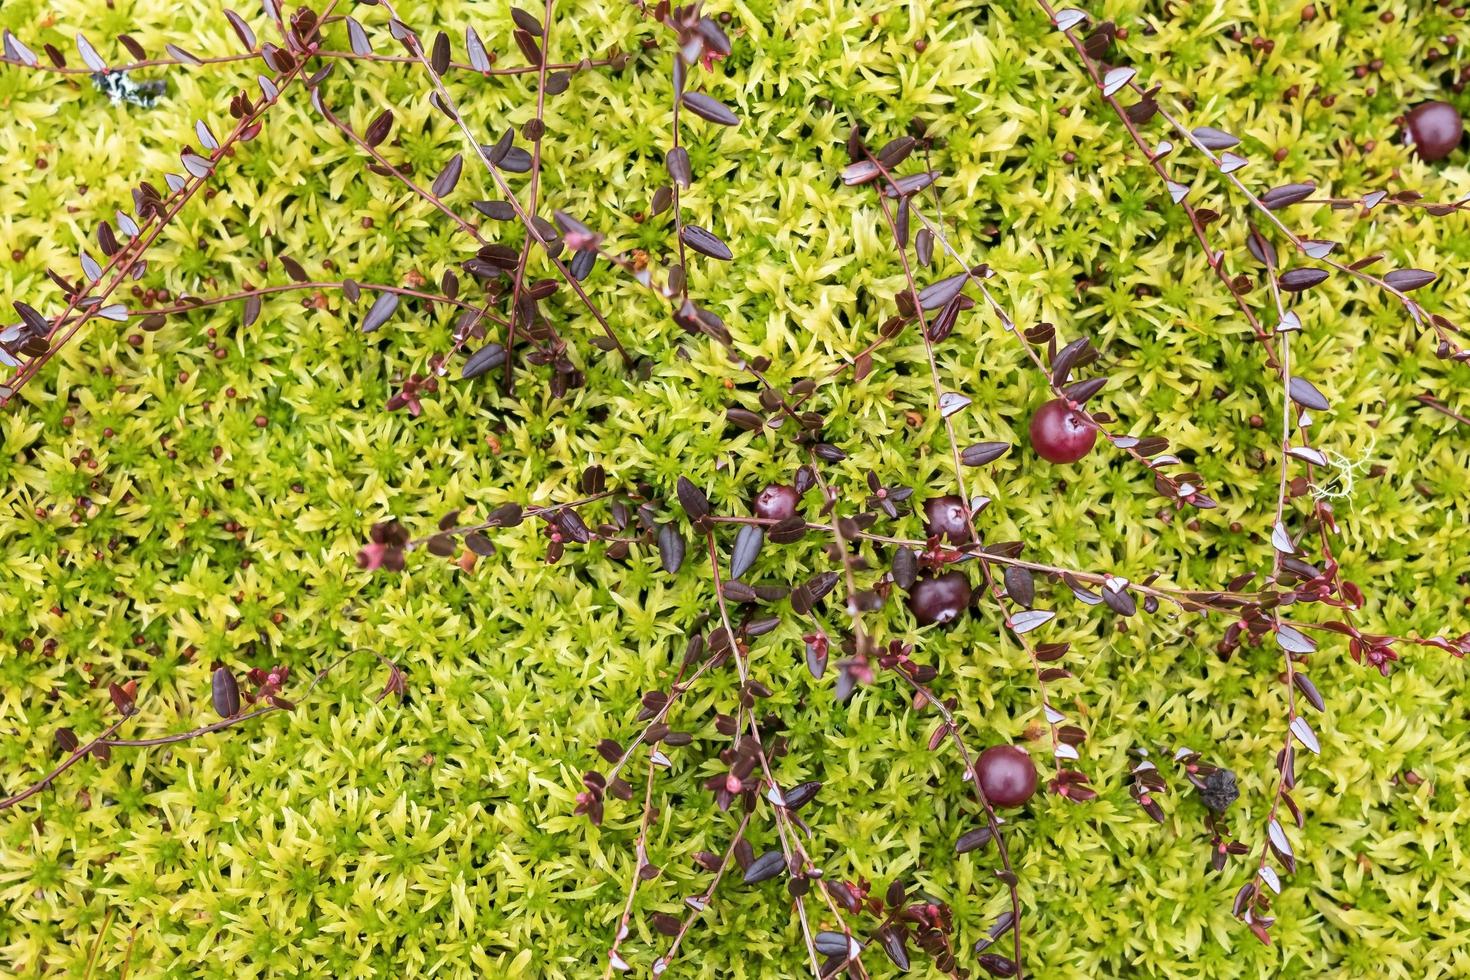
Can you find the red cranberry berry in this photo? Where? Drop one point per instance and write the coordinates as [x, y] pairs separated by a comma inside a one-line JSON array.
[[1435, 129], [939, 598], [945, 517], [1059, 434], [1007, 775], [776, 502]]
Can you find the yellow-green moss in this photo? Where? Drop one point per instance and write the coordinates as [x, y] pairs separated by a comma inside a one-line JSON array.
[[436, 838]]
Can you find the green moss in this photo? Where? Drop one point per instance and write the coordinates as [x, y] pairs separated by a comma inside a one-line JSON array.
[[351, 838]]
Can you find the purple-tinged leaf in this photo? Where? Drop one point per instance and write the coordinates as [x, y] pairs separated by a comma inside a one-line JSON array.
[[206, 138], [1215, 139], [1025, 622], [1287, 195], [892, 938], [705, 243], [358, 38], [377, 130], [765, 867], [1305, 735], [225, 692], [1068, 19], [526, 21], [909, 185], [294, 269], [67, 739], [479, 57], [1278, 838], [487, 358], [693, 500], [860, 172], [18, 51], [670, 547], [1116, 79], [180, 55], [802, 794], [1301, 279], [1293, 640], [380, 312], [709, 108], [197, 165], [1246, 893], [1231, 162], [1305, 394], [495, 210], [747, 548], [242, 29], [951, 403], [439, 54], [933, 296], [983, 452], [1406, 279], [1269, 876], [526, 41], [924, 246], [122, 698], [677, 162], [89, 54], [1309, 690], [973, 840], [997, 965], [34, 321], [448, 177], [1020, 585]]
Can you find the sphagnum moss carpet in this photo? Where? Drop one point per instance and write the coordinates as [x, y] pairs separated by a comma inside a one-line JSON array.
[[193, 495]]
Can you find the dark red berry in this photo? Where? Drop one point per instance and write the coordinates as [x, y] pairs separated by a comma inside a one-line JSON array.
[[1007, 775], [1059, 434], [1435, 129], [776, 502], [945, 517], [939, 598]]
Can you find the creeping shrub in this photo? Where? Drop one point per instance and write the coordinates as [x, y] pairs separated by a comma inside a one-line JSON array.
[[754, 489]]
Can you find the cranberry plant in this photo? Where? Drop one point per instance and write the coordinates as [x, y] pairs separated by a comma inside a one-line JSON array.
[[862, 490]]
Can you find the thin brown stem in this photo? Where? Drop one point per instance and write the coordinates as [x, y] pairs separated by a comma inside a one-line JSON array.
[[640, 858], [121, 263], [1441, 408], [411, 40], [616, 60], [106, 741], [700, 904], [519, 282]]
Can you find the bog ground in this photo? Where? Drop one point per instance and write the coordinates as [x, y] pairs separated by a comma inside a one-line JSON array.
[[197, 497]]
